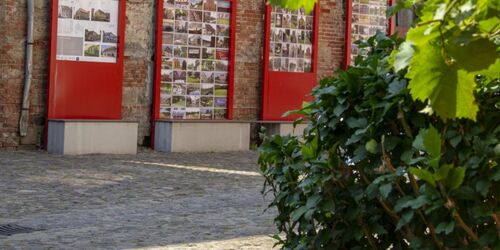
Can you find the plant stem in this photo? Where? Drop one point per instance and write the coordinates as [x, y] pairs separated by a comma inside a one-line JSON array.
[[388, 164], [414, 185], [451, 205], [404, 123], [464, 226], [432, 229], [394, 216], [367, 232], [496, 217]]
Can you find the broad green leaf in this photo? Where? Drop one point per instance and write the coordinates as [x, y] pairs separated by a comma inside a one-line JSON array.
[[309, 150], [423, 175], [308, 215], [492, 72], [418, 143], [429, 140], [422, 36], [418, 202], [313, 201], [385, 190], [455, 178], [442, 172], [497, 150], [449, 90], [406, 156], [339, 109], [403, 56], [446, 227], [489, 25], [496, 175], [432, 144], [297, 213], [396, 87], [483, 187], [476, 55], [356, 123], [405, 219], [455, 141], [440, 12], [399, 5]]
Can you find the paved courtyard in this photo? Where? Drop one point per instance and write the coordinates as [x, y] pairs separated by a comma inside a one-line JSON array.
[[148, 201]]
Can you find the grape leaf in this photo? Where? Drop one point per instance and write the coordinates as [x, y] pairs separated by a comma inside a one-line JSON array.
[[295, 4], [449, 89], [476, 55]]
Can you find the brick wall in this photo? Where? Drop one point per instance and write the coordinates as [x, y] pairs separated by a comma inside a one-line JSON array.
[[248, 71], [331, 37], [138, 65], [12, 58]]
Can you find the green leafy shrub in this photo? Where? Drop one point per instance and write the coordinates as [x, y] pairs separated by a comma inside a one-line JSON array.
[[373, 171]]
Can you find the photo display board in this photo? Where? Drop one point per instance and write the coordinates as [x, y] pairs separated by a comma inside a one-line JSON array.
[[195, 59], [368, 17], [291, 41], [87, 30]]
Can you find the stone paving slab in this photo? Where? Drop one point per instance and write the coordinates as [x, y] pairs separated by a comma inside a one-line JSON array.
[[148, 201]]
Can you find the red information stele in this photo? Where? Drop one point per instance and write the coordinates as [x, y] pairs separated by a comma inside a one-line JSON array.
[[85, 90], [286, 91]]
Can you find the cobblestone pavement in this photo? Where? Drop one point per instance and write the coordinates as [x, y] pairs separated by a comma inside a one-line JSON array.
[[148, 201]]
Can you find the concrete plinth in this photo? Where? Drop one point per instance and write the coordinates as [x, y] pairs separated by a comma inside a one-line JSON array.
[[79, 137], [283, 128], [200, 136]]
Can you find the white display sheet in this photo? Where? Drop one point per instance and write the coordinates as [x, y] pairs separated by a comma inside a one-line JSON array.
[[87, 30]]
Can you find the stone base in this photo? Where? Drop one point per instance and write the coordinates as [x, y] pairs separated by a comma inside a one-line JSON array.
[[284, 128], [199, 136], [77, 137]]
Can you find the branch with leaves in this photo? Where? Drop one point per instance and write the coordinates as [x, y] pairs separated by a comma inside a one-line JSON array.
[[452, 42]]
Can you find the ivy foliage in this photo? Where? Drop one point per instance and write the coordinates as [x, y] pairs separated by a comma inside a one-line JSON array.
[[372, 171]]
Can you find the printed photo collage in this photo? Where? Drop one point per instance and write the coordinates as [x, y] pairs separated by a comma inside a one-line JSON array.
[[291, 41], [87, 30], [195, 59], [368, 17]]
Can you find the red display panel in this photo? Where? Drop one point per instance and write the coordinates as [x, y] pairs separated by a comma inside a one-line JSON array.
[[194, 73], [290, 61], [86, 59]]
